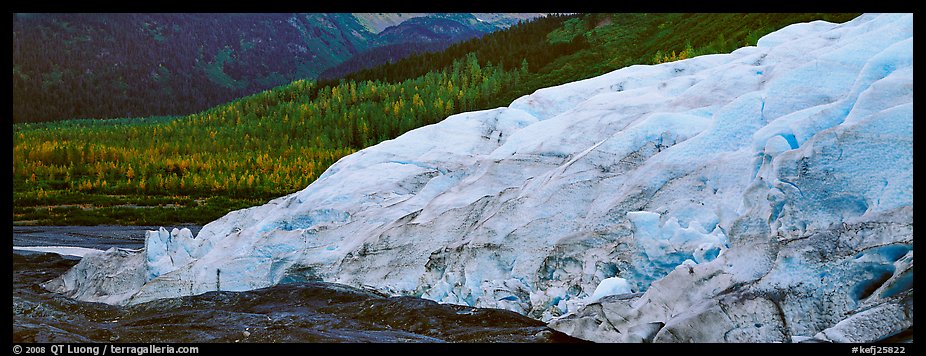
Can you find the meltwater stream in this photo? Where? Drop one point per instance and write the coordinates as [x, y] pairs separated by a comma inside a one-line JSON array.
[[298, 312]]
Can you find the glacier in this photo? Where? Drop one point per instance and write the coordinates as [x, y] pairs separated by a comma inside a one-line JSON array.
[[60, 250], [761, 195]]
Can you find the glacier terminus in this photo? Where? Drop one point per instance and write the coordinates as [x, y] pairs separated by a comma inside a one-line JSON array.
[[765, 195]]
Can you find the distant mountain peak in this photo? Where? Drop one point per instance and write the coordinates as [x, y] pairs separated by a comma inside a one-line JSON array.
[[377, 22]]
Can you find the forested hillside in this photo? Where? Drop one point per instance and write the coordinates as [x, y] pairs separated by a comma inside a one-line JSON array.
[[417, 35], [198, 167], [68, 66], [123, 65]]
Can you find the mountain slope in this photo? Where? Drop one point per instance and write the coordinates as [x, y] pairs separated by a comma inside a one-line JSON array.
[[762, 195], [68, 66], [122, 65], [377, 22], [417, 35], [426, 30]]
